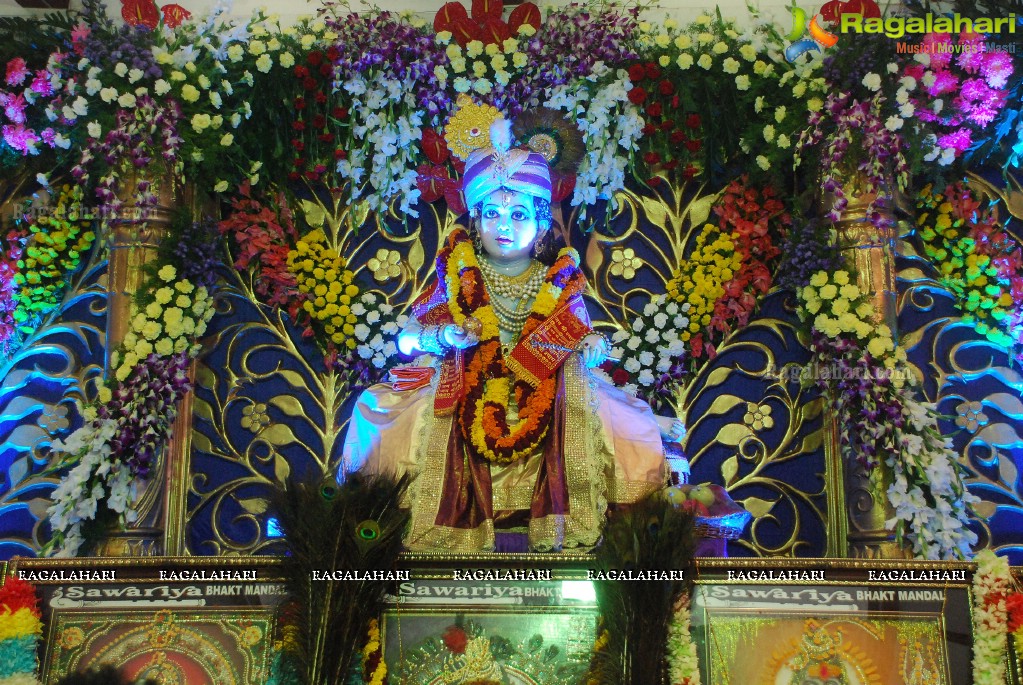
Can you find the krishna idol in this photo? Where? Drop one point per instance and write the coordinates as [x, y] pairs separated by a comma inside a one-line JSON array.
[[509, 435]]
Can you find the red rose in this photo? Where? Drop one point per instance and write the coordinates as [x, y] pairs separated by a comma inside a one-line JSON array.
[[652, 158], [326, 70], [340, 154], [301, 72], [326, 137], [690, 172], [666, 125], [637, 72], [653, 109], [298, 126], [654, 181], [314, 58], [321, 97], [333, 53], [675, 101], [667, 87], [299, 162], [294, 176], [637, 95], [693, 121], [455, 639], [693, 145], [298, 144], [312, 176], [309, 83], [299, 104], [653, 72], [319, 121], [620, 376], [339, 113], [677, 137], [649, 129]]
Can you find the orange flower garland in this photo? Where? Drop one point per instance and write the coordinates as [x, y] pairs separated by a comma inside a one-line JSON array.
[[488, 381]]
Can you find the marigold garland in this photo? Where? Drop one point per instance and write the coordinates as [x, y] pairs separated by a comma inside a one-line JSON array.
[[489, 383], [374, 669], [326, 282]]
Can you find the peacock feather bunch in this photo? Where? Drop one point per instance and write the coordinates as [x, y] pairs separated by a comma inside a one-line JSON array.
[[355, 526], [651, 535]]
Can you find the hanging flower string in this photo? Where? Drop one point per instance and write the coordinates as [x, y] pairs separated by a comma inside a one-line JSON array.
[[991, 586]]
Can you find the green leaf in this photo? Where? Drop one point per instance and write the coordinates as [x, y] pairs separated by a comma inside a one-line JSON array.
[[253, 505], [277, 434], [281, 469], [759, 508], [288, 404]]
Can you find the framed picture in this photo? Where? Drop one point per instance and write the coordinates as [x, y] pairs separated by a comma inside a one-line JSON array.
[[506, 619], [861, 623], [201, 621]]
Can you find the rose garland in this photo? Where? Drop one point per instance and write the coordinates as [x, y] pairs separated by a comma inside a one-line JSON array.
[[489, 383], [20, 631], [991, 586]]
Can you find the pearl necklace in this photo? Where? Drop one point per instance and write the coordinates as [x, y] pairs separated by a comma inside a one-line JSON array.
[[519, 289]]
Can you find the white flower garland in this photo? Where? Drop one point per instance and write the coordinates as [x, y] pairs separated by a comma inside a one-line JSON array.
[[925, 466], [611, 128], [992, 582], [387, 144], [683, 664]]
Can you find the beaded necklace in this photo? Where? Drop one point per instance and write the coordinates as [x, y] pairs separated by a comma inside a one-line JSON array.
[[520, 289]]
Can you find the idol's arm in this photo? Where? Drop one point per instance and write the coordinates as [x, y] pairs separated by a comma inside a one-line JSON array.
[[435, 339]]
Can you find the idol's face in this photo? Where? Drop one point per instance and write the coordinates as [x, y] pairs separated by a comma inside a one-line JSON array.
[[508, 225]]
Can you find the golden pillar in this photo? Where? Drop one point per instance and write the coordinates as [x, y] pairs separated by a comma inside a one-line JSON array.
[[133, 238], [869, 249]]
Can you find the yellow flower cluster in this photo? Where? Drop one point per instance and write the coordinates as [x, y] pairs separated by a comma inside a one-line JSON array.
[[55, 248], [170, 324], [983, 298], [322, 275], [701, 280], [372, 645], [480, 66], [19, 623], [836, 306]]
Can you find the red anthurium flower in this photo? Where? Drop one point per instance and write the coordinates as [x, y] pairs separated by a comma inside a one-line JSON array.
[[174, 15], [482, 10], [526, 13], [434, 146], [563, 184], [448, 16], [833, 11], [140, 13], [432, 182], [455, 198], [496, 31], [466, 30]]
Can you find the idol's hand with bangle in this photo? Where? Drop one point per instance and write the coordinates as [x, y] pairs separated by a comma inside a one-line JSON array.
[[594, 349], [458, 337]]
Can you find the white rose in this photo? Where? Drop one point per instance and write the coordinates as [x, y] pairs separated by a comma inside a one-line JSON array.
[[872, 81]]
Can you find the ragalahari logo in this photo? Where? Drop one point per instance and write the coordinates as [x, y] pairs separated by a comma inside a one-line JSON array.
[[831, 15]]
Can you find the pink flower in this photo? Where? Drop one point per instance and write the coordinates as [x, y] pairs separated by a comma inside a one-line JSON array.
[[939, 58], [997, 69], [959, 140], [944, 82], [14, 108], [41, 83], [49, 136], [21, 139], [16, 72], [78, 36]]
